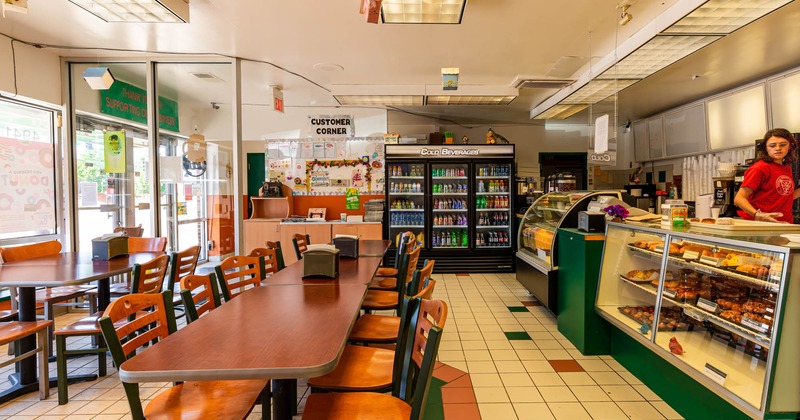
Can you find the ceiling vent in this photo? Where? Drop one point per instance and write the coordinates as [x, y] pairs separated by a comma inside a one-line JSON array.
[[206, 76], [531, 83]]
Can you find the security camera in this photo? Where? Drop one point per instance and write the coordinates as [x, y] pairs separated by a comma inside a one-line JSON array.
[[628, 124], [214, 105]]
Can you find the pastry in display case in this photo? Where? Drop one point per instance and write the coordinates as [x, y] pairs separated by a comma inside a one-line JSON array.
[[537, 259], [711, 306]]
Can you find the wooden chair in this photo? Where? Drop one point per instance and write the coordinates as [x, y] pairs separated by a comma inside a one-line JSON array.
[[48, 297], [146, 244], [130, 231], [269, 260], [405, 238], [371, 328], [278, 252], [181, 264], [236, 273], [148, 278], [16, 330], [388, 299], [199, 294], [409, 390], [300, 243], [197, 400], [390, 283]]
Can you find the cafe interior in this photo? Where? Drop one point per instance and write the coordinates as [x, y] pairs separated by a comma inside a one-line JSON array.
[[203, 213]]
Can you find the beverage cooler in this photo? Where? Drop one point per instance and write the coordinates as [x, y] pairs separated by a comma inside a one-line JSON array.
[[457, 199]]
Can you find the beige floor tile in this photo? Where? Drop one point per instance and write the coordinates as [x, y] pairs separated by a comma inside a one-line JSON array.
[[67, 408], [515, 327], [94, 407], [646, 392], [629, 378], [481, 367], [524, 394], [39, 408], [523, 345], [502, 354], [537, 329], [577, 355], [14, 407], [445, 356], [477, 355], [119, 407], [491, 395], [604, 411], [483, 380], [552, 394], [499, 345], [462, 366], [493, 335], [509, 366], [548, 344], [577, 378], [503, 411], [535, 355], [556, 354], [589, 393], [622, 393], [546, 379], [450, 345], [594, 365], [472, 345], [640, 410], [109, 417], [615, 365], [666, 410], [533, 411], [568, 411], [538, 366], [516, 379], [470, 336], [607, 378]]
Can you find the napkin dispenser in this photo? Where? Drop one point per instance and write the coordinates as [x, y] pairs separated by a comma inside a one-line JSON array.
[[347, 245], [591, 221], [108, 247], [321, 262]]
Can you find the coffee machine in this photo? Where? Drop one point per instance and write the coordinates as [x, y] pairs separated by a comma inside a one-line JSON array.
[[724, 191]]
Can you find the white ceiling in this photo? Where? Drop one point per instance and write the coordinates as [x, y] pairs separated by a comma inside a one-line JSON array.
[[497, 40]]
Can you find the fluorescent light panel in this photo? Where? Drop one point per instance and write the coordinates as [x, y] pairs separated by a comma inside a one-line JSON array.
[[381, 100], [656, 54], [724, 16], [422, 11], [469, 100], [560, 112], [596, 90], [171, 11]]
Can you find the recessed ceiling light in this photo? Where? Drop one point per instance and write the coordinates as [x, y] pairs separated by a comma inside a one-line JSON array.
[[724, 16], [153, 11], [331, 67], [422, 11]]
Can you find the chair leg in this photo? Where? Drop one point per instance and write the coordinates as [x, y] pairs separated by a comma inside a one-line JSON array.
[[44, 372], [50, 316], [101, 356], [61, 368]]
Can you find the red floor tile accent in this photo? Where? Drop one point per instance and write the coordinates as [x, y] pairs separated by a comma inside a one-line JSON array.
[[462, 382], [566, 366], [448, 373], [458, 396], [531, 303], [462, 275], [462, 411], [437, 365]]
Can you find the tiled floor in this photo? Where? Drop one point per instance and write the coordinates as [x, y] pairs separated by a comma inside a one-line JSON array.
[[501, 357]]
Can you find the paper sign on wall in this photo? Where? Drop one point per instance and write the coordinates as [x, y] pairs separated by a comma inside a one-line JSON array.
[[340, 126], [114, 151], [601, 134], [351, 199]]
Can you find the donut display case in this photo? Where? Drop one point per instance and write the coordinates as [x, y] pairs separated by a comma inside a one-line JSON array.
[[712, 307]]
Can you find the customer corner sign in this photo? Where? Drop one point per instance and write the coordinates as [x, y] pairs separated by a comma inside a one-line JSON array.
[[126, 101], [331, 126]]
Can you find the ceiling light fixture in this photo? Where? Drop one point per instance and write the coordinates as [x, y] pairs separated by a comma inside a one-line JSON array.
[[724, 16], [625, 17], [560, 112], [154, 11], [381, 100], [423, 11]]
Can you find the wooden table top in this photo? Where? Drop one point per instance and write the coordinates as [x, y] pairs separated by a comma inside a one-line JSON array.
[[66, 268], [373, 247], [277, 332], [351, 270]]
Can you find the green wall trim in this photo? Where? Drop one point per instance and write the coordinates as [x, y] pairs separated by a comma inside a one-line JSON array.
[[685, 395]]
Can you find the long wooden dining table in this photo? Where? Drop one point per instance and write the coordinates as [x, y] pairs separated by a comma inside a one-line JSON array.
[[64, 269], [291, 328]]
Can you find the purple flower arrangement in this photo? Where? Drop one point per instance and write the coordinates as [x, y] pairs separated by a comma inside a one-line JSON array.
[[617, 210]]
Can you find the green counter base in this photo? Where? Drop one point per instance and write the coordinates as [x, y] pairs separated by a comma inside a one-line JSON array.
[[685, 395]]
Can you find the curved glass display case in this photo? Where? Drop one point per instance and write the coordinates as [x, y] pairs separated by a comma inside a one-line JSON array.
[[536, 239]]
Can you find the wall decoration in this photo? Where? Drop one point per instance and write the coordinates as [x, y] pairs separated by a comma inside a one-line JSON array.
[[27, 180], [321, 172], [114, 151], [351, 199]]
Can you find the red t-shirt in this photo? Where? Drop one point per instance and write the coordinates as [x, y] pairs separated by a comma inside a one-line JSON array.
[[773, 189]]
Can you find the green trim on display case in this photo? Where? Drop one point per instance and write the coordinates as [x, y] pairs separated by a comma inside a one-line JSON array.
[[685, 395]]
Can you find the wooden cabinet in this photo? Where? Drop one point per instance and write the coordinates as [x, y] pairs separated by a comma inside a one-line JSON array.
[[258, 231]]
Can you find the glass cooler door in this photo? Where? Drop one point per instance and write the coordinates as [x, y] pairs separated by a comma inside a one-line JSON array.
[[493, 218], [450, 210], [406, 192]]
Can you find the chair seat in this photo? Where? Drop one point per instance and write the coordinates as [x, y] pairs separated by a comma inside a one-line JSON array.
[[355, 406], [386, 283], [86, 325], [375, 329], [206, 400], [62, 293], [379, 299], [9, 315], [386, 272], [360, 369]]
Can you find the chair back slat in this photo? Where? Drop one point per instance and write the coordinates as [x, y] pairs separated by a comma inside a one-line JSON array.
[[29, 251], [136, 318], [427, 291], [146, 244], [200, 295], [269, 260], [278, 253], [149, 277], [236, 273], [300, 243], [182, 264], [130, 231], [413, 259], [431, 313], [418, 276]]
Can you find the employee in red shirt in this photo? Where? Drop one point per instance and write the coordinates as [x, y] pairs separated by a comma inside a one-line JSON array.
[[768, 189]]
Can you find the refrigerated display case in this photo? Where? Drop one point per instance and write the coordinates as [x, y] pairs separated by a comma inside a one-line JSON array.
[[711, 306], [460, 202], [537, 254]]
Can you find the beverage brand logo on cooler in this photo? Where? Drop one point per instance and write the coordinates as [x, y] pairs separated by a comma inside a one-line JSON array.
[[601, 158], [448, 152]]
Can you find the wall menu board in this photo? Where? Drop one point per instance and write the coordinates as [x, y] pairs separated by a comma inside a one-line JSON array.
[[327, 166], [27, 182]]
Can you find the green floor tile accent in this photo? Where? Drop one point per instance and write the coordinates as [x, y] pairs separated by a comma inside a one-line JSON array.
[[517, 335], [434, 410], [518, 309]]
